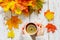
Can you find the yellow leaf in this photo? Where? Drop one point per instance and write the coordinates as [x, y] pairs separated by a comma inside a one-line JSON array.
[[11, 34], [12, 3], [1, 0], [49, 15], [18, 11], [6, 9], [9, 5]]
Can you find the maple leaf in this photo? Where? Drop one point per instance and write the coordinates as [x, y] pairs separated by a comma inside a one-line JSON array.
[[11, 34], [51, 27], [13, 22], [49, 15], [17, 6]]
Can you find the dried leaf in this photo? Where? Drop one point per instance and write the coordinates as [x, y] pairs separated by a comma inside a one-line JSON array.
[[11, 34], [49, 15], [39, 4], [18, 11], [13, 22], [51, 27], [12, 5]]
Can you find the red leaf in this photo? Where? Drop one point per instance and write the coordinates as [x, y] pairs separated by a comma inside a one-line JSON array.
[[51, 27]]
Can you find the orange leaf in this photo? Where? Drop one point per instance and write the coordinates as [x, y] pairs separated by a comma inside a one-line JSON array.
[[51, 27], [13, 22]]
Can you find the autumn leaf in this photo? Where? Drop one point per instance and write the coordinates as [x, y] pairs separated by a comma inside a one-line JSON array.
[[13, 22], [1, 0], [49, 15], [11, 34], [26, 12], [51, 27], [17, 6], [18, 11]]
